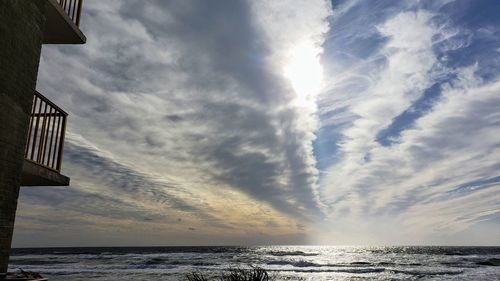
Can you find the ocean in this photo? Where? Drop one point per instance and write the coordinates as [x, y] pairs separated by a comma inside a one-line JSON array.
[[284, 262]]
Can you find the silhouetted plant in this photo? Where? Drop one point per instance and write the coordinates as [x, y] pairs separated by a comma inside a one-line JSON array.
[[236, 274], [195, 276]]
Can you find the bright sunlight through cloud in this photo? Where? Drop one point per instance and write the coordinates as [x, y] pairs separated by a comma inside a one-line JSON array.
[[305, 72]]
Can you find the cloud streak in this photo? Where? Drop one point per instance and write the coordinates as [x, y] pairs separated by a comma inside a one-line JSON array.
[[417, 149], [182, 110], [184, 121]]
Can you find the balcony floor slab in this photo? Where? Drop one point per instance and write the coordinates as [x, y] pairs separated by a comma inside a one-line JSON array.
[[59, 28], [34, 174]]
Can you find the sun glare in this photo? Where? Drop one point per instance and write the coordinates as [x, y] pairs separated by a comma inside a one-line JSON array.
[[305, 73]]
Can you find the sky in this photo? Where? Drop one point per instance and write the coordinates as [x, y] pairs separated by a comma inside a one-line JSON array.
[[274, 122]]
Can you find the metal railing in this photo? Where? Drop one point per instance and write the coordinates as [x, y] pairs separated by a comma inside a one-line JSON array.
[[46, 133], [73, 8]]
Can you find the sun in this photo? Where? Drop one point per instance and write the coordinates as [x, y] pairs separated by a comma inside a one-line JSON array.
[[305, 72]]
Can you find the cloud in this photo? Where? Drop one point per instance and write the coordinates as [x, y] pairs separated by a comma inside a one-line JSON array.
[[182, 109], [417, 153], [181, 116]]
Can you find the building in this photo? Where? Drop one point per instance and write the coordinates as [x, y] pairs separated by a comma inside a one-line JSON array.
[[31, 126]]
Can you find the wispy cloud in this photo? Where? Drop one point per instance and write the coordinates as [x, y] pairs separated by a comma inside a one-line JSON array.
[[182, 110], [417, 149], [183, 121]]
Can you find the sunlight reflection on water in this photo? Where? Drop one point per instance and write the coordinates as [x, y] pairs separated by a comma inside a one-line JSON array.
[[285, 262]]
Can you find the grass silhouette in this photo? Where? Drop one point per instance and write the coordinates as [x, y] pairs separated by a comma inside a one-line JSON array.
[[236, 274]]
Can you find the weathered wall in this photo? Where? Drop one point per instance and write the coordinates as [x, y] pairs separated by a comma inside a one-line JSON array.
[[21, 31]]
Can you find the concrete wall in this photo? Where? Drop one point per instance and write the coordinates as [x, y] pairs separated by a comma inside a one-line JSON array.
[[21, 31]]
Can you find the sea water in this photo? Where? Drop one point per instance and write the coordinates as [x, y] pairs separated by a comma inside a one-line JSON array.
[[283, 262]]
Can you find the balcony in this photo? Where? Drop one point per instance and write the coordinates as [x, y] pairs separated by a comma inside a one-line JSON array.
[[44, 147], [62, 22]]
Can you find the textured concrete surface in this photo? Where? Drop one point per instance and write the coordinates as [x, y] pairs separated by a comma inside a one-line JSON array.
[[21, 32], [59, 28], [36, 175]]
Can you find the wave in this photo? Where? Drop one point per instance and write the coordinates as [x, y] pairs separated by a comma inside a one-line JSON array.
[[490, 262], [39, 262], [164, 261], [419, 274], [347, 270], [302, 263], [291, 253], [363, 263], [295, 263], [321, 262], [425, 273]]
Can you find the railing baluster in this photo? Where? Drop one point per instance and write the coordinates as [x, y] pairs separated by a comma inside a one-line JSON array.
[[73, 17], [73, 9], [61, 144], [51, 137], [33, 107], [45, 140], [42, 134], [44, 149], [78, 14], [56, 142], [70, 4], [36, 131]]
